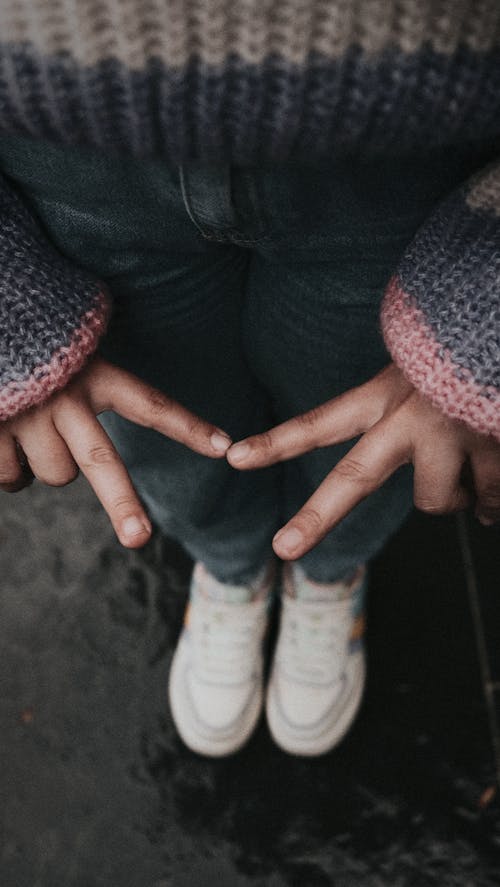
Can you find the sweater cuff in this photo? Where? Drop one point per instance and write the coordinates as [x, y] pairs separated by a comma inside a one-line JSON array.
[[52, 314], [33, 386], [431, 369], [440, 314]]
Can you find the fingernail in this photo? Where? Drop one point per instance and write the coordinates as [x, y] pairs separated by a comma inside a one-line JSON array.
[[240, 452], [485, 521], [220, 441], [289, 540], [132, 526]]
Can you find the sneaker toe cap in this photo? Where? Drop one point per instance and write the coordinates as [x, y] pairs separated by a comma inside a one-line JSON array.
[[218, 708], [306, 705]]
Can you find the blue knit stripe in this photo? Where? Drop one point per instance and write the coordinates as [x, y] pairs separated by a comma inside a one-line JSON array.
[[452, 274], [247, 113]]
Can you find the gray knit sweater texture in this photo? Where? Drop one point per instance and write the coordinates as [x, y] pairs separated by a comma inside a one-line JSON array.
[[246, 82]]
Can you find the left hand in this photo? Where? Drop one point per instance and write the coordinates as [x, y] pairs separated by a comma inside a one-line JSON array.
[[397, 425]]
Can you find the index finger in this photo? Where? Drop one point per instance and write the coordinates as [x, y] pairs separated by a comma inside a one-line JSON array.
[[101, 464], [337, 420], [362, 471], [139, 402]]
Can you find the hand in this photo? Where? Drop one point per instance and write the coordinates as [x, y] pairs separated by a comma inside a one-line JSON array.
[[397, 426], [54, 440]]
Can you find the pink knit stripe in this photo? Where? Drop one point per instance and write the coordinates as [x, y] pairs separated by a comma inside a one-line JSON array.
[[68, 360], [415, 350]]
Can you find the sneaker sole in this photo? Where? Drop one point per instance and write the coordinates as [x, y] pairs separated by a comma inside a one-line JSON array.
[[313, 746]]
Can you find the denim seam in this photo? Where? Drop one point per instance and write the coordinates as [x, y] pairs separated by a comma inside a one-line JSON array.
[[189, 208], [229, 235]]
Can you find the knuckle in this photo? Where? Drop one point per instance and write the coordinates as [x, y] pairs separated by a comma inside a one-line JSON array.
[[308, 421], [265, 442], [194, 427], [101, 454], [158, 403], [123, 505], [353, 470], [310, 519]]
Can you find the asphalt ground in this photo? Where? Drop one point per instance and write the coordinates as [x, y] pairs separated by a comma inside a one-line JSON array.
[[97, 789]]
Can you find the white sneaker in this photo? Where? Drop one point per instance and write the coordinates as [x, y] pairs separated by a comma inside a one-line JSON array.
[[318, 672], [216, 677]]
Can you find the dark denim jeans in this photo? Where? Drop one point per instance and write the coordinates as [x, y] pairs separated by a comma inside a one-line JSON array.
[[249, 295]]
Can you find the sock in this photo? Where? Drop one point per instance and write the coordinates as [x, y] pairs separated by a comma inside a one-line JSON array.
[[205, 584], [299, 586]]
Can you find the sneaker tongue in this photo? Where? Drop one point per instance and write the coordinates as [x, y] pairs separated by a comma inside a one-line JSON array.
[[322, 593], [304, 589], [230, 594], [210, 587]]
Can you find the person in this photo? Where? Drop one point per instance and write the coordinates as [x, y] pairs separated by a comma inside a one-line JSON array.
[[295, 211]]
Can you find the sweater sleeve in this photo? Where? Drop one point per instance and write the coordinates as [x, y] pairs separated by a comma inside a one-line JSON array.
[[52, 314], [441, 311]]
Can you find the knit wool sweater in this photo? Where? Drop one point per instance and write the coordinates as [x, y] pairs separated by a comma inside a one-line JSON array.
[[252, 81]]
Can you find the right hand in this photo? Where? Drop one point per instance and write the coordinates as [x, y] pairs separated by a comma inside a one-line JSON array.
[[53, 441]]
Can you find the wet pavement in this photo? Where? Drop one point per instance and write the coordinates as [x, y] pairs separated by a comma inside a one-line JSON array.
[[96, 788]]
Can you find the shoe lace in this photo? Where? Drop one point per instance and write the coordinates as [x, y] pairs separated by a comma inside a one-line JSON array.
[[313, 639], [226, 638]]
